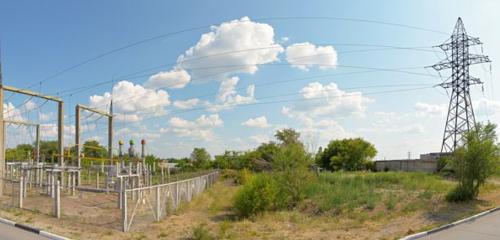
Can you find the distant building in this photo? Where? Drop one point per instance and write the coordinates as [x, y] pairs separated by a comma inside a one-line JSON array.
[[426, 163]]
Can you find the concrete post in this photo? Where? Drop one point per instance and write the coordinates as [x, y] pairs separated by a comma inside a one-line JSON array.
[[97, 179], [77, 141], [37, 142], [124, 211], [110, 133], [158, 205], [2, 136], [21, 191], [120, 193], [57, 200], [60, 132], [73, 183]]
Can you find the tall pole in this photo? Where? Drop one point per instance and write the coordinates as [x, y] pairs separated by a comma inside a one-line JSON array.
[[37, 143], [110, 133], [2, 134], [460, 117], [60, 132], [77, 142]]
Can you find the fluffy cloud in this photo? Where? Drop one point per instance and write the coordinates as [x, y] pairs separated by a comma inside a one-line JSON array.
[[427, 109], [242, 44], [228, 98], [260, 138], [199, 129], [130, 100], [177, 78], [188, 104], [487, 106], [258, 122], [321, 99], [306, 55], [11, 112]]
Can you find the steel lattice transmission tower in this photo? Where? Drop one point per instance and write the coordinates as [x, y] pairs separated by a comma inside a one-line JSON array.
[[460, 113]]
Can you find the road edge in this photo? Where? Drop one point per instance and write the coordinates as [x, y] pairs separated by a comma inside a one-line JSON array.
[[449, 225], [33, 230]]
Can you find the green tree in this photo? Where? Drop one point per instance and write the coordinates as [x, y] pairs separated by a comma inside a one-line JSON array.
[[48, 150], [92, 148], [201, 158], [474, 162], [288, 136], [346, 154]]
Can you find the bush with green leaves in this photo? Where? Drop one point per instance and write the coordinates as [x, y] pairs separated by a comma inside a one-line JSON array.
[[346, 154], [474, 162], [261, 193]]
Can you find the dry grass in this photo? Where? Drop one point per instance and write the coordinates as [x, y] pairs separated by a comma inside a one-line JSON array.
[[397, 213]]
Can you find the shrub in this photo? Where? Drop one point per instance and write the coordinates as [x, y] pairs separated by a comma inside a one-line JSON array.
[[243, 176], [346, 154], [261, 193], [201, 233], [474, 162]]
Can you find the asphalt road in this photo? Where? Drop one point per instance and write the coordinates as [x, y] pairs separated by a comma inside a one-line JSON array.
[[8, 232], [483, 228]]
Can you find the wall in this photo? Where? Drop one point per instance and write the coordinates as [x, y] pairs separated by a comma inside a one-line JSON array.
[[407, 165]]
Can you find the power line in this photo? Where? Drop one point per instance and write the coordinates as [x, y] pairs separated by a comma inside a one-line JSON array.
[[104, 54]]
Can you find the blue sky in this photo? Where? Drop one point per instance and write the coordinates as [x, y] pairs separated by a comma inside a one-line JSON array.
[[264, 59]]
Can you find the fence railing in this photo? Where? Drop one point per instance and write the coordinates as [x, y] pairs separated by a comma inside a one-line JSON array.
[[143, 205]]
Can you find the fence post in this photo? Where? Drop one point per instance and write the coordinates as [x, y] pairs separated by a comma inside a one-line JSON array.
[[57, 202], [97, 179], [21, 185], [120, 193], [158, 210], [124, 210]]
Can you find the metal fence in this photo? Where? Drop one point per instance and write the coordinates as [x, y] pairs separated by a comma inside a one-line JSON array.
[[141, 206]]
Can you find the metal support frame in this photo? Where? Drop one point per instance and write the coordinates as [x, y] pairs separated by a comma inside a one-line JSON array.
[[78, 109], [60, 124], [460, 117]]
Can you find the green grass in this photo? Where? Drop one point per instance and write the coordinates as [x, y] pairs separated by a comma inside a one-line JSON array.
[[348, 191]]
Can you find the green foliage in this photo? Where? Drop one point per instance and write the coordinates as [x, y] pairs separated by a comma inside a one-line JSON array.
[[474, 162], [243, 176], [342, 191], [200, 158], [346, 154], [151, 159], [288, 136], [261, 193], [201, 233], [232, 160], [93, 149]]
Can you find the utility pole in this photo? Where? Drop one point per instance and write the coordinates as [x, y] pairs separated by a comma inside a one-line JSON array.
[[2, 133], [110, 133], [460, 117]]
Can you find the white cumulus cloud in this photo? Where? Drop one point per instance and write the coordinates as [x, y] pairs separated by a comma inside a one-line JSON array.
[[131, 100], [199, 129], [319, 99], [188, 104], [238, 46], [258, 122], [306, 55], [228, 98], [177, 78], [429, 109]]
